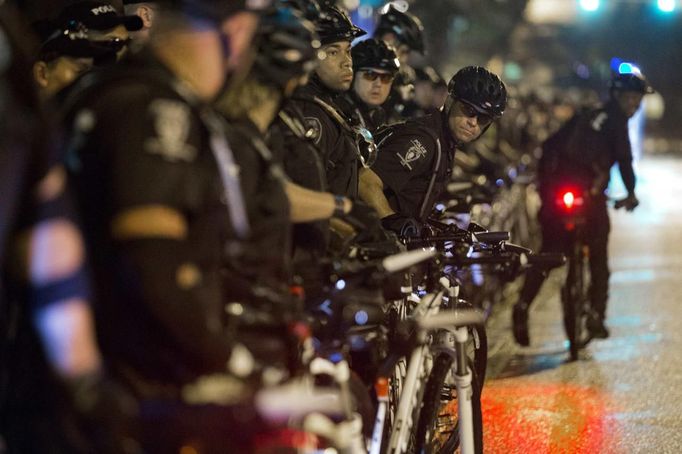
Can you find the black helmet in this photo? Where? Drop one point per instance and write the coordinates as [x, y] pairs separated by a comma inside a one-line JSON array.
[[287, 47], [309, 9], [374, 53], [407, 27], [335, 25], [630, 82], [479, 88]]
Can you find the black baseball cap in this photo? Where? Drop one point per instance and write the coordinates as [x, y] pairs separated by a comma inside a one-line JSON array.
[[58, 42], [97, 16]]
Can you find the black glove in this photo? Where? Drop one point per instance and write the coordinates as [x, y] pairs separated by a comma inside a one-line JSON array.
[[630, 203], [362, 217], [404, 226]]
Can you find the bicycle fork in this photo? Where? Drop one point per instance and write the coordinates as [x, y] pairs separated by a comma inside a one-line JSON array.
[[463, 378]]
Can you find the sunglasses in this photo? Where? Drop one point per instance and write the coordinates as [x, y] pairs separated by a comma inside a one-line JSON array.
[[371, 76], [482, 119]]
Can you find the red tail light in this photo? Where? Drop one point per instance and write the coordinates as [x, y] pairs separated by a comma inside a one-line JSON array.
[[569, 199]]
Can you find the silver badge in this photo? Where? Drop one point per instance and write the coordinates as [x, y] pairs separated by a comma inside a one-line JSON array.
[[172, 126], [314, 129], [414, 153]]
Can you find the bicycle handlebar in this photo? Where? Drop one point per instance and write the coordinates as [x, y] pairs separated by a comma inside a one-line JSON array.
[[524, 259]]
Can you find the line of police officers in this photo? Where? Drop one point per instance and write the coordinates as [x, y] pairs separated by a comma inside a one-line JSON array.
[[195, 169]]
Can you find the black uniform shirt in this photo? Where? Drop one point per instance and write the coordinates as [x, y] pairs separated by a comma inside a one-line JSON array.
[[293, 145], [588, 146], [137, 142], [336, 142], [415, 163], [265, 260]]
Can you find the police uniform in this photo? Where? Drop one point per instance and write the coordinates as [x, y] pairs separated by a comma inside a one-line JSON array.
[[294, 145], [361, 113], [138, 139], [332, 135], [415, 162], [583, 152], [266, 254]]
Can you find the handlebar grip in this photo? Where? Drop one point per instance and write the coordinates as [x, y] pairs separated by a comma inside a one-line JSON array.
[[516, 249], [490, 237], [547, 260]]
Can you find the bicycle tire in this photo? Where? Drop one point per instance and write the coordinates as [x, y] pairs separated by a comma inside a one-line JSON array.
[[574, 297], [434, 403]]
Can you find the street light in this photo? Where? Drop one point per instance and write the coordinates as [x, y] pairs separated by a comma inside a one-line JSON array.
[[589, 5], [667, 6]]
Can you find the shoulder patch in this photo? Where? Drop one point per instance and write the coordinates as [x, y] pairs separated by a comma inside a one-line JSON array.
[[172, 124], [314, 129], [414, 153]]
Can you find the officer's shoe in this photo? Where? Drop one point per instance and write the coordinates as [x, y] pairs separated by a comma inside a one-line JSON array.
[[520, 323], [596, 327]]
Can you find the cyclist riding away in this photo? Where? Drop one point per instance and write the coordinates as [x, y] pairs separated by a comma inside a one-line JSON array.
[[584, 150]]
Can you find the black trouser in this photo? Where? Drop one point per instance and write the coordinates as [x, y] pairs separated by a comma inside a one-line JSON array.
[[555, 238]]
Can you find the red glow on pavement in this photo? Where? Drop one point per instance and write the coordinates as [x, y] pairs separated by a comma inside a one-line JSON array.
[[528, 417]]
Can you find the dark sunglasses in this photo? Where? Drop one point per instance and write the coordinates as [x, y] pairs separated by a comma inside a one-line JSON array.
[[371, 76], [469, 111]]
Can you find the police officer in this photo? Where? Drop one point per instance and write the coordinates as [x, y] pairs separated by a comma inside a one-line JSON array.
[[163, 210], [405, 32], [69, 48], [585, 149], [422, 103], [59, 398], [287, 52], [415, 158], [332, 132], [375, 65]]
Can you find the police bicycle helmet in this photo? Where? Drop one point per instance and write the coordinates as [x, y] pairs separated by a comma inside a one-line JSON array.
[[374, 54], [630, 82], [407, 28], [479, 88], [334, 25], [287, 46]]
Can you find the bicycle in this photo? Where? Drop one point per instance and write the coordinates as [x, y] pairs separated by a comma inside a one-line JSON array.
[[573, 205]]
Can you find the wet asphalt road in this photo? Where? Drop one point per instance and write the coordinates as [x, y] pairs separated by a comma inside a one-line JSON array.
[[625, 393]]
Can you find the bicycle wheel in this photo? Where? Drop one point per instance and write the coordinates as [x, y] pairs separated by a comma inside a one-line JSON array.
[[574, 298], [438, 428]]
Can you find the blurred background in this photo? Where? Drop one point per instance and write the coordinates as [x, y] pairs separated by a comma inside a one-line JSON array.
[[555, 51], [559, 50]]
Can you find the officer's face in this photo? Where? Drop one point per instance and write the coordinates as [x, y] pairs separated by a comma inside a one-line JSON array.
[[465, 123], [118, 34], [336, 67], [53, 76], [629, 101], [373, 86], [423, 93], [402, 50]]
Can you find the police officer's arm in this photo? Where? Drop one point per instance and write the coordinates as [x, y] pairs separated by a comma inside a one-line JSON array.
[[52, 255], [403, 158], [623, 155], [307, 205], [371, 191], [158, 190]]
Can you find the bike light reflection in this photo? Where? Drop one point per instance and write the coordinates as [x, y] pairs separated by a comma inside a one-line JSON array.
[[549, 418]]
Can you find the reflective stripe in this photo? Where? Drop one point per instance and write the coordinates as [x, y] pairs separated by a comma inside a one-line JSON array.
[[150, 221]]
